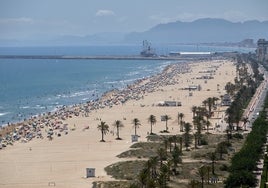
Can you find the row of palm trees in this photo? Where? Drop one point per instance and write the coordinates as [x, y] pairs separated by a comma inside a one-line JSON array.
[[104, 128], [242, 91], [199, 121]]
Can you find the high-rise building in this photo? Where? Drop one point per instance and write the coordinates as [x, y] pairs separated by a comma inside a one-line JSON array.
[[262, 50]]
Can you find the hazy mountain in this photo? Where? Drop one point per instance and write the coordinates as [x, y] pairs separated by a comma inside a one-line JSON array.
[[208, 30], [100, 38], [202, 31], [69, 40]]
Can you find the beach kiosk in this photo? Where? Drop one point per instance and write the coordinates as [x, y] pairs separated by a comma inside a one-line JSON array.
[[134, 138], [90, 172]]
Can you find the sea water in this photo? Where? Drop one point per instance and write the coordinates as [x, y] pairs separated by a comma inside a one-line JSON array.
[[33, 86]]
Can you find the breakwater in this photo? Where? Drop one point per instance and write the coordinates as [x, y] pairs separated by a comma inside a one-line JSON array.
[[185, 57]]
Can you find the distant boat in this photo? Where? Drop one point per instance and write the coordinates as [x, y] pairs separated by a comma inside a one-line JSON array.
[[147, 51]]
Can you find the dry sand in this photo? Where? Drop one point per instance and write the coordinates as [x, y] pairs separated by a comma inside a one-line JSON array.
[[63, 161]]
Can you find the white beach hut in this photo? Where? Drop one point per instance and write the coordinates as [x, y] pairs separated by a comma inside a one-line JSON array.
[[90, 172], [134, 138]]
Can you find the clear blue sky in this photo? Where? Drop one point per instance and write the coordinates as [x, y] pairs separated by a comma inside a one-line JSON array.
[[29, 19]]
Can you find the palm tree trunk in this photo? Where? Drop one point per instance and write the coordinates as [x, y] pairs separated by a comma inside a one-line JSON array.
[[195, 141], [181, 145], [213, 168], [102, 134], [166, 126], [208, 177], [117, 132]]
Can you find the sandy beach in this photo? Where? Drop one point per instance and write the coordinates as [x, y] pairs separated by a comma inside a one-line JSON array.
[[75, 143]]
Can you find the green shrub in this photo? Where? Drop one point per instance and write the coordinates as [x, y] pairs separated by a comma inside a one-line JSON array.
[[238, 136], [224, 167]]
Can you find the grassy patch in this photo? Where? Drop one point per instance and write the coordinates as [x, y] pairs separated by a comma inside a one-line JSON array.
[[141, 150], [111, 184], [127, 170]]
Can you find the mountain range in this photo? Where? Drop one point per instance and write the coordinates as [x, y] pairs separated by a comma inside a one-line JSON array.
[[207, 30]]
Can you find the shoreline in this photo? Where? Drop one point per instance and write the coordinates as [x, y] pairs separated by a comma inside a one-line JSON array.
[[97, 103], [19, 117], [95, 96], [63, 158]]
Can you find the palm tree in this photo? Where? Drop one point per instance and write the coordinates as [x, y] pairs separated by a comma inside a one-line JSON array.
[[193, 183], [212, 157], [208, 168], [180, 140], [245, 121], [170, 140], [195, 140], [228, 134], [210, 102], [143, 177], [198, 118], [162, 155], [104, 128], [205, 103], [150, 183], [194, 109], [201, 111], [215, 99], [198, 121], [166, 141], [162, 178], [136, 123], [164, 175], [152, 163], [134, 185], [175, 139], [152, 120], [180, 119], [187, 138], [166, 118], [208, 124], [221, 149], [202, 171], [176, 157], [118, 124], [229, 120], [169, 164], [230, 88]]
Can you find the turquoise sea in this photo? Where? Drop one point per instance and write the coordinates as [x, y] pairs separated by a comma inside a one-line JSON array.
[[33, 86]]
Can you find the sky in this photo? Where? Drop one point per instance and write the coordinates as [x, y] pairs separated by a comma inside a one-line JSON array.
[[30, 19]]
